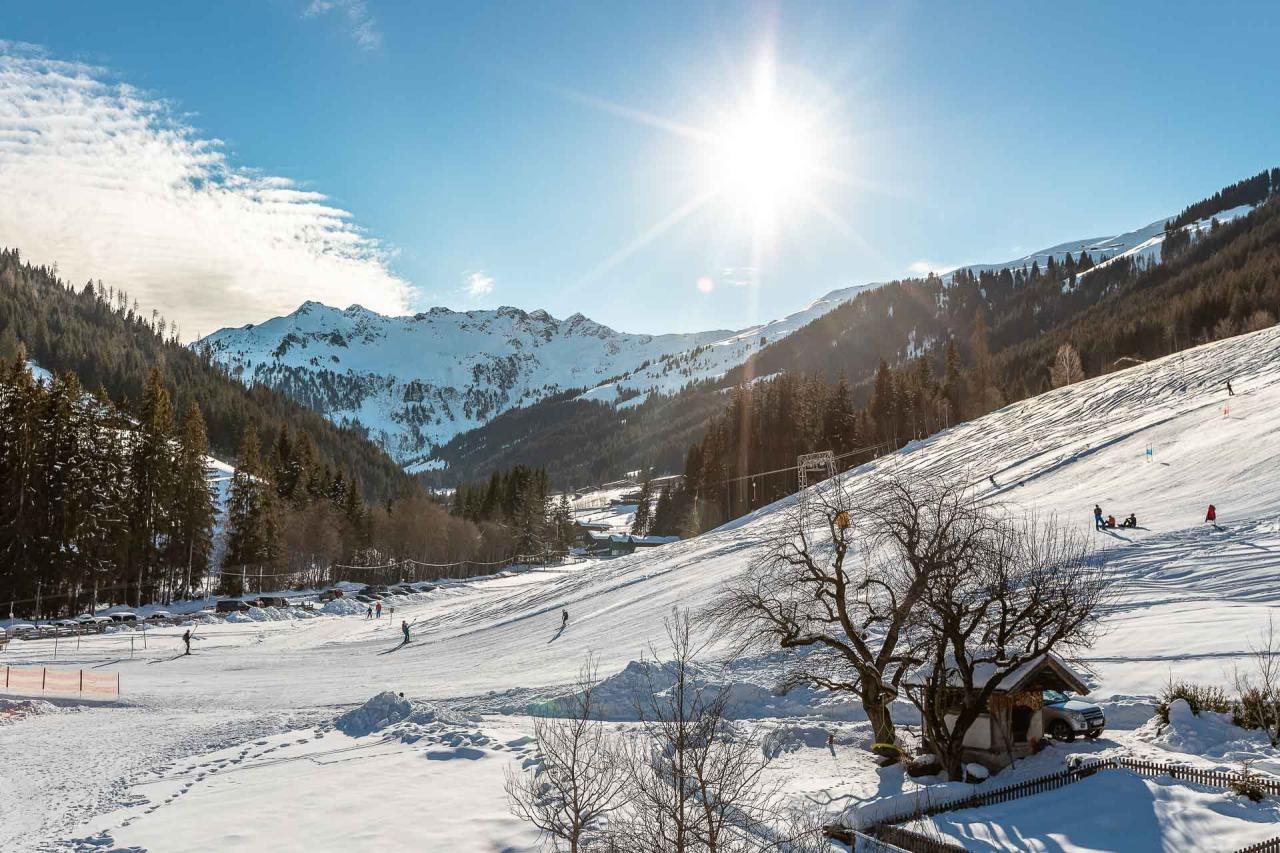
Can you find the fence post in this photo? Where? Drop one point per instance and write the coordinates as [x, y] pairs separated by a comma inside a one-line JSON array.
[[44, 677], [82, 681]]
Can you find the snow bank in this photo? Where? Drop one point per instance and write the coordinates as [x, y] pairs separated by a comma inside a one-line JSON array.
[[271, 614], [618, 696], [12, 710], [344, 607]]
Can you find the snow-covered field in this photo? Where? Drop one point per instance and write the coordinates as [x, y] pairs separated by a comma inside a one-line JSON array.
[[235, 747]]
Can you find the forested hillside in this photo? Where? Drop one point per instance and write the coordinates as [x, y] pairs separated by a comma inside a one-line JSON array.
[[1004, 323], [102, 336], [1222, 283]]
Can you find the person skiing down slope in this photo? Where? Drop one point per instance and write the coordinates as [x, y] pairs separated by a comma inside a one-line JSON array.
[[564, 623], [1211, 517], [186, 638], [404, 626], [1097, 517], [1230, 391]]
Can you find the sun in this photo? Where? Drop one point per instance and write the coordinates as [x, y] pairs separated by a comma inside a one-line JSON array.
[[764, 159]]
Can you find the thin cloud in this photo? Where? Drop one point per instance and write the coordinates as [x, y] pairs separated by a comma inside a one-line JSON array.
[[110, 184], [479, 284], [362, 26], [924, 267]]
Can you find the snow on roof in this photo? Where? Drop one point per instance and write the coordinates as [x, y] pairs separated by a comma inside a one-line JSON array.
[[1012, 681]]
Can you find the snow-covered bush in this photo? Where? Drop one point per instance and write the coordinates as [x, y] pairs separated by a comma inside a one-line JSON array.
[[1200, 697]]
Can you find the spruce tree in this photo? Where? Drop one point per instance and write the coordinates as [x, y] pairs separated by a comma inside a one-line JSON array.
[[151, 480], [194, 500]]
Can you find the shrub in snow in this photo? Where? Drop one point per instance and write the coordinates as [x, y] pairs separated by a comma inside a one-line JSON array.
[[1199, 697], [975, 773], [924, 765], [1246, 785]]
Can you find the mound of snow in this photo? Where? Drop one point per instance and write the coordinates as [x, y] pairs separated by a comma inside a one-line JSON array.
[[344, 607], [374, 715], [12, 710]]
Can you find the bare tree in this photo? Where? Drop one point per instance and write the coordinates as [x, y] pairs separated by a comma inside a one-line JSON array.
[[697, 778], [1028, 590], [575, 784], [850, 611], [1259, 687], [1066, 369]]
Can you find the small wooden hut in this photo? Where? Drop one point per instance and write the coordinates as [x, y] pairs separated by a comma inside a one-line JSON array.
[[1013, 721]]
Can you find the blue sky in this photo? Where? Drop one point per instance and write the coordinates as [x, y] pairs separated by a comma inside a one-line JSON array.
[[468, 144]]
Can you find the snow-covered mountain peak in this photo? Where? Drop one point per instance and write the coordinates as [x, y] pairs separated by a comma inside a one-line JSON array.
[[413, 382]]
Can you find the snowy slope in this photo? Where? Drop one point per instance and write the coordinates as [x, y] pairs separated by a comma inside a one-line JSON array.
[[414, 382], [244, 706]]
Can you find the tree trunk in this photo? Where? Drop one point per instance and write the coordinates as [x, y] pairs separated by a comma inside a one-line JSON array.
[[886, 736]]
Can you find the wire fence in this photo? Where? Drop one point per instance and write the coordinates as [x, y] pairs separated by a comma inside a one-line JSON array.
[[28, 680]]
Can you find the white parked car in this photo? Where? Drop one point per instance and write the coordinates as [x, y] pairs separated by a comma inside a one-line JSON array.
[[123, 616], [1067, 716]]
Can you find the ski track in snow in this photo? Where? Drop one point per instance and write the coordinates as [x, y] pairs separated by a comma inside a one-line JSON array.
[[1192, 600]]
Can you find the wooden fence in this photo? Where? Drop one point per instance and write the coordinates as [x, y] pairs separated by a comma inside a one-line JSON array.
[[45, 680], [1211, 778]]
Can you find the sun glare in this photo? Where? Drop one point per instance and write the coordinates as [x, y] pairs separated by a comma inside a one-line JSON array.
[[762, 160]]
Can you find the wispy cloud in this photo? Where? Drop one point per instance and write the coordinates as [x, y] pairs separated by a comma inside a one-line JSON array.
[[479, 284], [924, 267], [110, 183], [355, 16]]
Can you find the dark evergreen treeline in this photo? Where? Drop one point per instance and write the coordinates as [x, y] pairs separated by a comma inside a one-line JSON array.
[[102, 336], [290, 521], [1254, 190], [1223, 283], [747, 457], [518, 501], [97, 507], [580, 442]]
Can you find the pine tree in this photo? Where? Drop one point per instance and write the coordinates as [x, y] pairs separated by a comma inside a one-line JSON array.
[[150, 476], [247, 512], [194, 503], [640, 524], [20, 533]]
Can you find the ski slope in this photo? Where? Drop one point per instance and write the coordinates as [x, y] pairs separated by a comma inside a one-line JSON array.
[[200, 739]]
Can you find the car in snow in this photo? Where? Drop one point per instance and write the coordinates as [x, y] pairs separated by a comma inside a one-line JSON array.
[[1067, 716], [273, 601], [364, 599], [123, 616], [159, 616], [332, 595], [231, 605], [21, 629]]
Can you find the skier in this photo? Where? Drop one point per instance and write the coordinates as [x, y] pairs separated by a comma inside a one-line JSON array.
[[1230, 391], [564, 623], [186, 638], [368, 613], [1212, 516], [404, 626], [379, 608], [391, 613], [1097, 517]]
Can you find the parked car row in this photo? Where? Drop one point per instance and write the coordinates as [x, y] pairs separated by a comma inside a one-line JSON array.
[[87, 622]]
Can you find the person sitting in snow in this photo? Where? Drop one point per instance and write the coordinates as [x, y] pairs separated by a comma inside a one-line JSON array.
[[1111, 521], [1131, 521]]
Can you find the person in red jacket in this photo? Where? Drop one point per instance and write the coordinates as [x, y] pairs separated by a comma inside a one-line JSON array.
[[1212, 515]]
